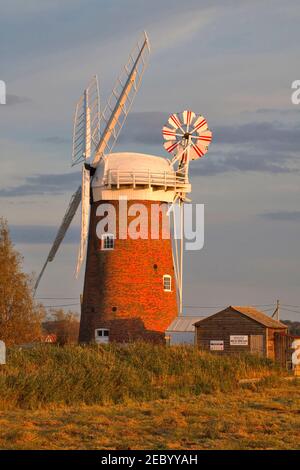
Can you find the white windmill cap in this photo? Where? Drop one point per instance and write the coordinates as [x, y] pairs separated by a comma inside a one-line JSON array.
[[128, 161], [135, 175]]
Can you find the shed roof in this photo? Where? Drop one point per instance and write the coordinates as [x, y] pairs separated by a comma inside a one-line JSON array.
[[184, 323], [254, 314]]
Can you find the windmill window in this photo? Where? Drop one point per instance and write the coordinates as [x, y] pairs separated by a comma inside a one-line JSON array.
[[107, 241], [100, 332], [167, 282]]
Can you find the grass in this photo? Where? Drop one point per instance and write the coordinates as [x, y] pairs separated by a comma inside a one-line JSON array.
[[265, 416], [143, 396], [112, 374]]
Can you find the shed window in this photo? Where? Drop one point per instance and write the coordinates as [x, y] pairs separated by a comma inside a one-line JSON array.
[[107, 241], [167, 281]]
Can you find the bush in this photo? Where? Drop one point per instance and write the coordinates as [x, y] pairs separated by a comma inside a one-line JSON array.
[[118, 373]]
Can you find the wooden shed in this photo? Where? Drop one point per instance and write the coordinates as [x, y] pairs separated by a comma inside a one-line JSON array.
[[239, 329]]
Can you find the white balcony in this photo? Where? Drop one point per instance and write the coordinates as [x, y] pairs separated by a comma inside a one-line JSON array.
[[167, 180]]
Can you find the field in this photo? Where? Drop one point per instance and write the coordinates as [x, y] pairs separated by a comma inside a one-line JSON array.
[[144, 397], [268, 419]]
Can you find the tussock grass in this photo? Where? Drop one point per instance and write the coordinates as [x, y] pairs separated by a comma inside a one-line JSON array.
[[112, 374]]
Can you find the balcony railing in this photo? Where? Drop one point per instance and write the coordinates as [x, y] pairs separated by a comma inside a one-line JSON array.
[[166, 179]]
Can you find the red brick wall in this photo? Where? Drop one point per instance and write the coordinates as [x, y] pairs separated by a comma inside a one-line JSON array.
[[123, 291]]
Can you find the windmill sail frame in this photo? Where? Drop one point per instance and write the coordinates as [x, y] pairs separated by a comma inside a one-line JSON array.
[[68, 217], [120, 101], [85, 212], [86, 130]]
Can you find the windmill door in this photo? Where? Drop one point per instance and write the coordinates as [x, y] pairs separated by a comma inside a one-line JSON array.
[[257, 344]]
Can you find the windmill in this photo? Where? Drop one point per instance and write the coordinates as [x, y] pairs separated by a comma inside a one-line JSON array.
[[187, 139], [129, 290], [87, 137]]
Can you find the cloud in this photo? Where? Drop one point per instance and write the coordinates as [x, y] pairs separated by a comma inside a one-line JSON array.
[[55, 139], [273, 136], [256, 147], [41, 234], [213, 164], [16, 99], [44, 184], [266, 147], [282, 111], [283, 216], [33, 7], [145, 127]]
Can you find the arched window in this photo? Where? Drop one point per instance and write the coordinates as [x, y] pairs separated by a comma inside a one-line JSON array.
[[167, 282]]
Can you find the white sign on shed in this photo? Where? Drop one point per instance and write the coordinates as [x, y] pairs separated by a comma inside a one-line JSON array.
[[238, 340], [216, 345], [2, 352]]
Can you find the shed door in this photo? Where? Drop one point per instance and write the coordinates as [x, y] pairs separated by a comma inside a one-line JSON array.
[[257, 344]]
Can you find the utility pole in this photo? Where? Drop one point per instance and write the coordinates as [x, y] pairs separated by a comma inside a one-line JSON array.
[[276, 312]]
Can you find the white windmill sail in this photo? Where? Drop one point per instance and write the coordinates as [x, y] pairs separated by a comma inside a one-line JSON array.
[[85, 212], [121, 98], [86, 131], [68, 217], [85, 134]]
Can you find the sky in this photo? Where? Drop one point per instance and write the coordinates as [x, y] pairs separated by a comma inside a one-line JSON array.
[[232, 61]]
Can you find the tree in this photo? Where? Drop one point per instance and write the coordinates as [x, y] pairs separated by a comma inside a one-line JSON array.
[[64, 325], [293, 326], [20, 317]]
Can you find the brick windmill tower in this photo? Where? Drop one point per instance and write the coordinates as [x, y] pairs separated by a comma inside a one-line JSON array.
[[132, 278]]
